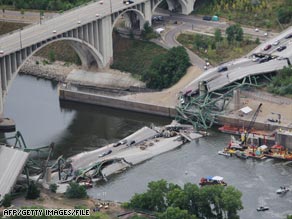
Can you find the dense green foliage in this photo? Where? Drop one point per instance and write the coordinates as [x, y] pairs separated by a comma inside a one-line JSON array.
[[289, 216], [284, 13], [53, 187], [217, 49], [167, 69], [33, 191], [148, 32], [7, 200], [234, 33], [282, 83], [74, 190], [171, 201], [54, 5], [134, 56], [260, 13]]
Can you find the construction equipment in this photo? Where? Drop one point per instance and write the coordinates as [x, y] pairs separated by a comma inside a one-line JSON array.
[[251, 123]]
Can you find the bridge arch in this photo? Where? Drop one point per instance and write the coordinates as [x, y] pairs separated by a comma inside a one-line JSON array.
[[184, 4], [86, 52], [138, 13]]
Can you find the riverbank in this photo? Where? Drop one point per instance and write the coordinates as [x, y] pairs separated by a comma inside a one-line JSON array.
[[41, 67]]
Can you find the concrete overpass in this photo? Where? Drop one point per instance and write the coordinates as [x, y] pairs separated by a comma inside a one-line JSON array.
[[88, 29]]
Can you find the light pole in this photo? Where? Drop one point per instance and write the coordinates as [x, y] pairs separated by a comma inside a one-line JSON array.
[[111, 6], [20, 41]]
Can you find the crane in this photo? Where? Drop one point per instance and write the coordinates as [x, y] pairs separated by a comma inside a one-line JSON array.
[[251, 123]]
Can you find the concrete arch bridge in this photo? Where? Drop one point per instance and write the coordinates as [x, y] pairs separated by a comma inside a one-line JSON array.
[[88, 29]]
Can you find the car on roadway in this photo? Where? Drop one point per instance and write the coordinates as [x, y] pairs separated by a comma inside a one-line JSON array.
[[256, 30], [105, 153], [265, 34], [281, 48], [265, 59], [288, 36], [207, 18], [263, 208], [120, 143], [158, 18], [222, 68], [267, 47], [1, 52], [255, 59], [276, 43], [127, 2]]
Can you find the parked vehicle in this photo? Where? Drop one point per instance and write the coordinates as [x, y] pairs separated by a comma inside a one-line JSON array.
[[282, 190], [222, 68], [207, 18], [281, 48], [263, 208]]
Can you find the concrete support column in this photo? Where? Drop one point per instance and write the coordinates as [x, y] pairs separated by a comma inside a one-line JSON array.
[[18, 58], [95, 35], [3, 73], [148, 12], [90, 34], [23, 54], [170, 4], [8, 68], [106, 33], [85, 33], [13, 63], [75, 33]]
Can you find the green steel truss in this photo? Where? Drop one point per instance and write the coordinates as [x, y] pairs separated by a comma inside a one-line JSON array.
[[201, 110]]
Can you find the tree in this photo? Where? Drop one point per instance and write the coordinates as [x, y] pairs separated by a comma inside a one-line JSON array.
[[22, 12], [167, 69], [234, 33], [231, 201], [173, 202], [218, 35], [6, 200], [3, 10], [74, 190], [52, 56], [284, 14], [32, 191], [175, 213]]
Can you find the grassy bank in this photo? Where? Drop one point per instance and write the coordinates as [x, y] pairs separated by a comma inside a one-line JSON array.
[[218, 52], [134, 56], [6, 27], [262, 14]]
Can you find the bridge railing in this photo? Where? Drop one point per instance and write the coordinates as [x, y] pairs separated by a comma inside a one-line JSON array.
[[46, 20]]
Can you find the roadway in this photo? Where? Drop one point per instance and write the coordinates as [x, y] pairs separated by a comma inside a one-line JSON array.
[[61, 23], [239, 68]]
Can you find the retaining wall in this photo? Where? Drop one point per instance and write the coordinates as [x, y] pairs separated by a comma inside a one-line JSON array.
[[115, 102]]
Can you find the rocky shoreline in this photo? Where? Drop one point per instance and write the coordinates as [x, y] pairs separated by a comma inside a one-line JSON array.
[[41, 67]]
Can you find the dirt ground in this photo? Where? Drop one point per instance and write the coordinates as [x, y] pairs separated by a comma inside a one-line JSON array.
[[53, 201], [167, 97]]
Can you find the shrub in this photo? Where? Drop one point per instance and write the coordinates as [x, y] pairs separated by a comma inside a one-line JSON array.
[[53, 187], [74, 190], [32, 191], [6, 200]]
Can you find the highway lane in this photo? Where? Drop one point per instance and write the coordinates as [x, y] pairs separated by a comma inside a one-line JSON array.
[[245, 64], [61, 23]]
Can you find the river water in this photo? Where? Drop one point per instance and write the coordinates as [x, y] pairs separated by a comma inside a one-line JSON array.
[[34, 105]]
